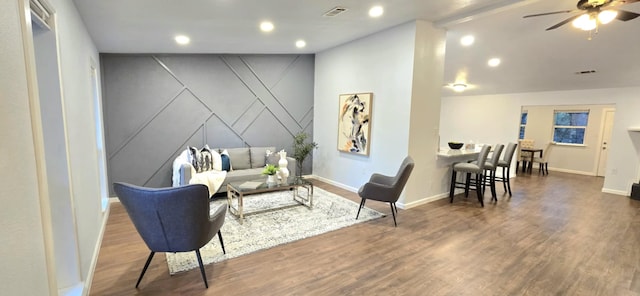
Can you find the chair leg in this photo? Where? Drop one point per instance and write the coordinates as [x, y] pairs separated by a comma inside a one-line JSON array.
[[221, 242], [393, 212], [466, 185], [504, 181], [509, 180], [146, 265], [546, 167], [453, 186], [360, 208], [204, 275], [479, 190], [492, 184]]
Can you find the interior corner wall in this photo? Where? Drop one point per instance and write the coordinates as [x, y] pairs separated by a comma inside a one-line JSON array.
[[23, 254], [428, 75], [381, 63], [471, 123], [157, 105]]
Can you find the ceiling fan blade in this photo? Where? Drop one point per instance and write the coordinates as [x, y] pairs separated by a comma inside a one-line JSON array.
[[615, 3], [564, 22], [547, 13], [624, 15]]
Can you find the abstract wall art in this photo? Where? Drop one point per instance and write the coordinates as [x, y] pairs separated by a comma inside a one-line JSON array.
[[354, 123]]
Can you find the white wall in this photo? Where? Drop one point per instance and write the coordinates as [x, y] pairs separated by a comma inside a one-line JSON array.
[[23, 256], [26, 221], [472, 121], [403, 67], [76, 51], [572, 159], [383, 64]]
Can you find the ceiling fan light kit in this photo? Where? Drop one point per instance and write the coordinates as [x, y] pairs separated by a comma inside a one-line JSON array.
[[593, 13]]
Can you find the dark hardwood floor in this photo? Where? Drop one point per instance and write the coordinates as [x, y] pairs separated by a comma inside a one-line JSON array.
[[557, 235]]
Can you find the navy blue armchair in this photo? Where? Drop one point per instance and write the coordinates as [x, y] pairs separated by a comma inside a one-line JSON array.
[[173, 219]]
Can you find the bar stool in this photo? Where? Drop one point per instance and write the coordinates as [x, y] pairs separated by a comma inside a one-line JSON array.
[[490, 167], [505, 164], [470, 168]]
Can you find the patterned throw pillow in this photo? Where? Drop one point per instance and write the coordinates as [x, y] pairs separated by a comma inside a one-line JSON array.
[[207, 158], [195, 158]]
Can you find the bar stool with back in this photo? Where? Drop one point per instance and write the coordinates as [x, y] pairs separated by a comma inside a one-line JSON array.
[[476, 168]]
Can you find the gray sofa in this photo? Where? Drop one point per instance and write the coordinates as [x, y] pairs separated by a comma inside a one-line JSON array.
[[247, 164]]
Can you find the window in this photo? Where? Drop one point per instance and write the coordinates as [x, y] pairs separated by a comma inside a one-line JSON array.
[[523, 123], [569, 126]]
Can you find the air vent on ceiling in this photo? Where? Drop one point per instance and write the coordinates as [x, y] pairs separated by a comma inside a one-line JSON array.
[[335, 11], [585, 72]]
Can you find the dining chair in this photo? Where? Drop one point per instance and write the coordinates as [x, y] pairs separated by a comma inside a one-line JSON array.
[[526, 157], [543, 162]]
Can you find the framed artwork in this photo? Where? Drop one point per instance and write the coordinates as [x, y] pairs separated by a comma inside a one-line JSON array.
[[354, 123]]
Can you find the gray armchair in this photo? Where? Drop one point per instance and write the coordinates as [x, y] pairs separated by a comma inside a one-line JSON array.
[[174, 219], [387, 188]]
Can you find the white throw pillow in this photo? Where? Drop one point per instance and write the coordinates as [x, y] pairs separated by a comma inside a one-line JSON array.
[[217, 160], [177, 163]]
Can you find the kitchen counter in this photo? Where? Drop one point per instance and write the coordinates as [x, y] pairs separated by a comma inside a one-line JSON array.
[[455, 153]]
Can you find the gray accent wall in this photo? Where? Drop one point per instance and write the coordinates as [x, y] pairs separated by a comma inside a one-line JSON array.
[[157, 105]]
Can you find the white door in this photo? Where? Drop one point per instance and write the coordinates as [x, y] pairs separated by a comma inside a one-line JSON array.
[[606, 138]]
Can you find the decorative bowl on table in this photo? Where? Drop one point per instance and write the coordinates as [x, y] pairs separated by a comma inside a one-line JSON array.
[[455, 145]]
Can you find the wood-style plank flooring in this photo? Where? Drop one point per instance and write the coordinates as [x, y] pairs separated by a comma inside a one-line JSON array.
[[558, 235]]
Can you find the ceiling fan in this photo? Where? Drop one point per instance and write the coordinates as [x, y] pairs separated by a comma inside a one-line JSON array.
[[593, 12]]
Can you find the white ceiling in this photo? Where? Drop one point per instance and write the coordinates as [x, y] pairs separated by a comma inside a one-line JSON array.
[[532, 59]]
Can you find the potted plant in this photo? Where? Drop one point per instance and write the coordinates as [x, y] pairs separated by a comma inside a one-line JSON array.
[[270, 170], [301, 150]]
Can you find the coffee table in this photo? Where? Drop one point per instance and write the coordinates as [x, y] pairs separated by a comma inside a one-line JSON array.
[[237, 190]]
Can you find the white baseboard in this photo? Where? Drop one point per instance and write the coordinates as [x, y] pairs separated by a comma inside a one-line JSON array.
[[399, 205], [334, 183], [569, 171], [96, 251], [617, 192], [427, 200]]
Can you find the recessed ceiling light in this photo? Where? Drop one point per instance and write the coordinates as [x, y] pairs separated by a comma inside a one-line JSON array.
[[376, 11], [467, 40], [301, 43], [182, 40], [266, 26], [494, 62]]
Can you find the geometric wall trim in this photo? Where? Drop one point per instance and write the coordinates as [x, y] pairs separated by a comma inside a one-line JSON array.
[[157, 105]]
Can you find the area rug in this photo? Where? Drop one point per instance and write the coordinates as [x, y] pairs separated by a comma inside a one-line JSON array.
[[268, 229]]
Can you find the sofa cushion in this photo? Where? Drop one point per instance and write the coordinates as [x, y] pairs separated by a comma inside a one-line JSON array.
[[259, 156], [273, 159], [244, 175], [240, 158]]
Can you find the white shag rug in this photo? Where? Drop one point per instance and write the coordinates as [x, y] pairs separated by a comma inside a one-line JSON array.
[[268, 229]]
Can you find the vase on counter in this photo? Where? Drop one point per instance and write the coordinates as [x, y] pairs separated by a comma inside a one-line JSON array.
[[282, 164]]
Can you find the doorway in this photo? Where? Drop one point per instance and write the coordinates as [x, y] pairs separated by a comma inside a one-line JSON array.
[[607, 127]]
